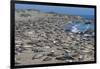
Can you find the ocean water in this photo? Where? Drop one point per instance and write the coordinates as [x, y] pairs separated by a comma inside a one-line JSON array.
[[79, 27], [76, 11], [83, 27], [90, 17]]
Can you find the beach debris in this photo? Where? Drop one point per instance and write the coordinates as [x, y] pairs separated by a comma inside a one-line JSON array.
[[37, 56], [69, 60], [18, 43], [19, 49], [64, 57], [27, 46], [37, 50], [52, 53], [60, 48], [47, 47], [47, 59]]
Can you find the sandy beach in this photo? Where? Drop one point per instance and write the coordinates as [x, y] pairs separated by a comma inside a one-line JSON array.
[[40, 38]]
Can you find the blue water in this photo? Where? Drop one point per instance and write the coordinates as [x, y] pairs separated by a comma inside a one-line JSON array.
[[82, 27], [68, 27], [84, 12], [88, 17]]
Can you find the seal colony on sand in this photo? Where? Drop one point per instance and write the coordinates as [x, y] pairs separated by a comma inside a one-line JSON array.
[[40, 38]]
